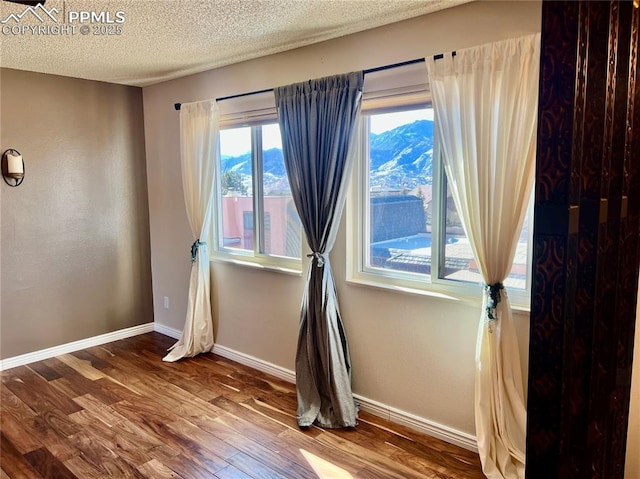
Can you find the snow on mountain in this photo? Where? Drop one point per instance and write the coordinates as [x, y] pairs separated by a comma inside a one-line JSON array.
[[401, 158]]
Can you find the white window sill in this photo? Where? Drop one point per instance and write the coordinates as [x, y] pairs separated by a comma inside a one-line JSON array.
[[463, 294], [261, 265]]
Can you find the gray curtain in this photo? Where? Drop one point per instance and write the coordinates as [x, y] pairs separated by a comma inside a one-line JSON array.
[[317, 120]]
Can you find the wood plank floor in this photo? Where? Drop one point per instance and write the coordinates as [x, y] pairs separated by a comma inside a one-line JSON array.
[[118, 411]]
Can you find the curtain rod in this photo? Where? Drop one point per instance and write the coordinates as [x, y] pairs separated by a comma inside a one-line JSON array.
[[369, 70]]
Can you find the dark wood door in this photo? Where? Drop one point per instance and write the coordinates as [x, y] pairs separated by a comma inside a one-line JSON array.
[[585, 263]]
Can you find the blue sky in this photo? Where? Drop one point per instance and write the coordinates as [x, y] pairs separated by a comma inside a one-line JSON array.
[[389, 121]]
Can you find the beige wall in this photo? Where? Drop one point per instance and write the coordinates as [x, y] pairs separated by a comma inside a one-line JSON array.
[[632, 470], [75, 256], [413, 353]]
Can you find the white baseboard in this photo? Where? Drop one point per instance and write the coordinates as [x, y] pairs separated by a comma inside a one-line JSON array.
[[431, 428], [74, 346], [255, 363], [167, 331], [242, 358]]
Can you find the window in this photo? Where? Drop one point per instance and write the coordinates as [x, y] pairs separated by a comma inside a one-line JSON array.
[[257, 220], [407, 231]]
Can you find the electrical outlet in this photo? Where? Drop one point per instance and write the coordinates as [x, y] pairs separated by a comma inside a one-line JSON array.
[[166, 302]]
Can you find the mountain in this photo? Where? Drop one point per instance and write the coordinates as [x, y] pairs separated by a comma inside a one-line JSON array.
[[272, 160], [240, 164], [401, 158], [275, 176]]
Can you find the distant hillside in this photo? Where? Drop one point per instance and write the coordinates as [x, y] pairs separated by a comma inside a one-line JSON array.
[[273, 162], [400, 158]]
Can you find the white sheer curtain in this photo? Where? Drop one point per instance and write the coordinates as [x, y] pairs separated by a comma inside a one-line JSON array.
[[485, 101], [199, 145]]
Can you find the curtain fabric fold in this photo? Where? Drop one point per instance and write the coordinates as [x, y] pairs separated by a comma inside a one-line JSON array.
[[199, 144], [485, 101], [317, 120]]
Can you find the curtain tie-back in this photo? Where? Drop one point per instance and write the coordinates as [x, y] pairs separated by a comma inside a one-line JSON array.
[[194, 249], [318, 256], [493, 293]]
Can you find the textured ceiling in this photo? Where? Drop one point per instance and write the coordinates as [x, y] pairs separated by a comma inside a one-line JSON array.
[[158, 40]]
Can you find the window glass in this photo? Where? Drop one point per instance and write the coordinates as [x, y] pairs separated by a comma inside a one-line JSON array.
[[280, 222], [410, 229], [400, 172], [236, 191], [257, 217]]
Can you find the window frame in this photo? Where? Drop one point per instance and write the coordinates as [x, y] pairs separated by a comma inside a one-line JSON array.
[[253, 258], [358, 230]]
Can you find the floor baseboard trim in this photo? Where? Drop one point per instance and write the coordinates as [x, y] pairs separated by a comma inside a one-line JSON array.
[[167, 331], [75, 346], [255, 363], [233, 355], [431, 428]]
